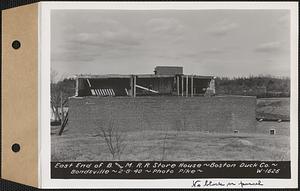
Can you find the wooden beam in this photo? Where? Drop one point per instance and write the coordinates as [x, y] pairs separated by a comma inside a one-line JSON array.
[[131, 86], [106, 76], [88, 81], [126, 76], [64, 123], [77, 87], [147, 89], [192, 86], [187, 86], [177, 84], [213, 86], [134, 86], [182, 85]]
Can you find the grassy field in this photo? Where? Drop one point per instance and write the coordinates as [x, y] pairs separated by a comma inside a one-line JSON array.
[[183, 145], [174, 145]]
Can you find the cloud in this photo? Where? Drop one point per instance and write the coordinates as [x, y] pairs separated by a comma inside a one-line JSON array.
[[96, 39], [212, 51], [91, 25], [165, 26], [202, 53], [73, 56], [109, 38], [103, 31], [268, 47], [222, 28], [90, 46]]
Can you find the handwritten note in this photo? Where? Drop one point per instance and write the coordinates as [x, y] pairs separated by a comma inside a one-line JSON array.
[[227, 184]]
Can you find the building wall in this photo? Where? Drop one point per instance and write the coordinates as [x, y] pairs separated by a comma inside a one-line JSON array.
[[168, 70], [214, 114]]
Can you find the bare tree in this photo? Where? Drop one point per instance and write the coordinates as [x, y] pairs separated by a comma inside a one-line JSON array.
[[163, 155], [114, 139], [61, 90], [53, 76], [55, 95], [55, 101]]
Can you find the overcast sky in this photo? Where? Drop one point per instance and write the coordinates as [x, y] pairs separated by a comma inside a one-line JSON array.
[[205, 42]]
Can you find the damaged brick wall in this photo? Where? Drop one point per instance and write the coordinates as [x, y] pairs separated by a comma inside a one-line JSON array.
[[214, 114]]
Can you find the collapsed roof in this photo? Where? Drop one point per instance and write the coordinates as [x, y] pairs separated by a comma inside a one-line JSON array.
[[166, 81]]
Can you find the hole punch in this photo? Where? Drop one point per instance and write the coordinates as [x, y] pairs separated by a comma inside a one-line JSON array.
[[16, 147], [16, 44]]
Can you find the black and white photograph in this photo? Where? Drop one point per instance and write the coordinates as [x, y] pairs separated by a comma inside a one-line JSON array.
[[171, 85]]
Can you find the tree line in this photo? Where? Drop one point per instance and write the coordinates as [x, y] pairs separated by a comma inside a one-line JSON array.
[[260, 86]]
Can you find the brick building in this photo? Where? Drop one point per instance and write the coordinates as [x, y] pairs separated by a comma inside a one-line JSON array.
[[167, 99], [166, 80]]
